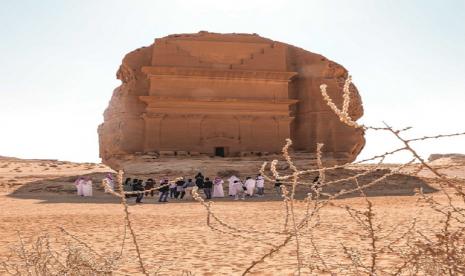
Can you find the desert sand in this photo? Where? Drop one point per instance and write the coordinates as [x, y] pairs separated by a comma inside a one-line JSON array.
[[38, 197]]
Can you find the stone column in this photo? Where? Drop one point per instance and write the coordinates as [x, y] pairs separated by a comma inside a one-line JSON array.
[[195, 130], [245, 131], [152, 131]]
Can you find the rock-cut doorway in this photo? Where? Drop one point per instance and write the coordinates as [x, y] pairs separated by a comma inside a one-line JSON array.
[[221, 151]]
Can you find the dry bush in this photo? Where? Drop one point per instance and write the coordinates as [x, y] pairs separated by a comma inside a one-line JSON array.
[[42, 257], [440, 252]]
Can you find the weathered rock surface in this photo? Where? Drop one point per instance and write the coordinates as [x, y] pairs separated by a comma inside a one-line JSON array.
[[445, 159], [230, 95], [454, 156]]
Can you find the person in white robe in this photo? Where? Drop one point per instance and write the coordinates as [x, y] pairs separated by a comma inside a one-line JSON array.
[[218, 187], [110, 181], [231, 187], [238, 189], [87, 187], [79, 186], [250, 186], [260, 183]]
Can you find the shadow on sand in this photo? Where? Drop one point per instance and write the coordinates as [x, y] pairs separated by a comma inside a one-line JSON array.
[[63, 190]]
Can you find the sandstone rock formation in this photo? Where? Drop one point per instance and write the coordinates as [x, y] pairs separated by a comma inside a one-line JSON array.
[[446, 159], [452, 156], [226, 95]]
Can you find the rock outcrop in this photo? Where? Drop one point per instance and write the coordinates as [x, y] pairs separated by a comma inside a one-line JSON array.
[[228, 95], [446, 159], [452, 156]]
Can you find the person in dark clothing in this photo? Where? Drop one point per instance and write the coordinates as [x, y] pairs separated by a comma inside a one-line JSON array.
[[207, 188], [164, 191], [186, 185], [138, 187], [149, 185], [134, 183], [180, 188], [127, 186], [199, 180]]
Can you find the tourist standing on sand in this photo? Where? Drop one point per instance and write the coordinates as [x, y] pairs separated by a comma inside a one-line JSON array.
[[110, 182], [231, 187], [134, 182], [139, 188], [260, 183], [164, 190], [79, 186], [133, 185], [180, 188], [249, 185], [188, 186], [199, 179], [173, 190], [141, 183], [149, 185], [207, 188], [218, 187], [127, 187], [87, 187], [239, 190]]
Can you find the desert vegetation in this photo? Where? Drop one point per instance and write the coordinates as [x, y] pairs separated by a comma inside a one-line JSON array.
[[439, 252]]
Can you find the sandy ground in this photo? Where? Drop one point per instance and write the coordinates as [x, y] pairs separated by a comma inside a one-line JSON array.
[[38, 198]]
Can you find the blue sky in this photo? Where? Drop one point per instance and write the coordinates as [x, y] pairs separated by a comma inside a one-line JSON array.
[[59, 58]]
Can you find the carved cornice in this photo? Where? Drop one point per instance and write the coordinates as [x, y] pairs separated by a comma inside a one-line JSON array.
[[170, 105], [282, 118], [227, 74], [158, 99]]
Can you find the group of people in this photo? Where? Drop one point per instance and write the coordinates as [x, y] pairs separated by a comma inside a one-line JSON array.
[[178, 188], [250, 187], [138, 188]]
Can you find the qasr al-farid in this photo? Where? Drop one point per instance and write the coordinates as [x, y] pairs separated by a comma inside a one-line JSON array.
[[226, 95]]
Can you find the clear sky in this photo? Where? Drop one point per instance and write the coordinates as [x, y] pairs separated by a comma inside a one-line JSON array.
[[58, 61]]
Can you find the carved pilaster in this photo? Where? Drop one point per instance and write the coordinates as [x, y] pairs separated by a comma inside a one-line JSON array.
[[152, 130], [284, 129]]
